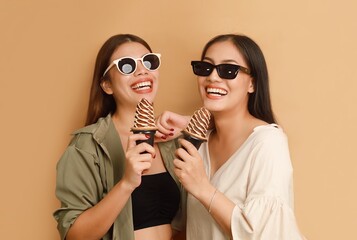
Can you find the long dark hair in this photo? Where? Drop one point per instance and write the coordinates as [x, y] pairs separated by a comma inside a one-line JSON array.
[[259, 103], [100, 103]]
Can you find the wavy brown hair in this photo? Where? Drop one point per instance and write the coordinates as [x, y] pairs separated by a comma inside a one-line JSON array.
[[259, 103], [100, 103]]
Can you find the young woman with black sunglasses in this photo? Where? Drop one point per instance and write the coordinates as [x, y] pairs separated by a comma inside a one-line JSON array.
[[240, 180], [109, 186]]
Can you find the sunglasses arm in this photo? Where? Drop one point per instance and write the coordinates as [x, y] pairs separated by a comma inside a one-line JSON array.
[[108, 68], [243, 69]]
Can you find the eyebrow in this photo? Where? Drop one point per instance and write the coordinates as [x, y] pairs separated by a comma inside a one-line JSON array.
[[224, 61]]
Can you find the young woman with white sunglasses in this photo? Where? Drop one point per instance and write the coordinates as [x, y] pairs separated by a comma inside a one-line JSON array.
[[109, 186]]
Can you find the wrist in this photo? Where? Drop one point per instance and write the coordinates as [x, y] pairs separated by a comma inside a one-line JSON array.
[[125, 186], [211, 200], [206, 194]]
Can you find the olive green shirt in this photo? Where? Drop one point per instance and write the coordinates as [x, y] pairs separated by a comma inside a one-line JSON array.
[[92, 164]]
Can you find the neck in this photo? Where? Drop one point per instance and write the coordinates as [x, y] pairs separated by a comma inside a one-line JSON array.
[[123, 119], [229, 126]]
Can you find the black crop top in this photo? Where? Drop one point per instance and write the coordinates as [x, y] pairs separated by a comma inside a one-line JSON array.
[[155, 201]]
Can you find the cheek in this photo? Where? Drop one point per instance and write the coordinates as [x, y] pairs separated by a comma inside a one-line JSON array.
[[155, 78], [200, 81], [243, 84], [155, 75], [200, 85]]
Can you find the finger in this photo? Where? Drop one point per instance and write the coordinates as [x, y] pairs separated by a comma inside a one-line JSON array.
[[178, 173], [139, 163], [178, 163], [162, 123], [163, 120], [160, 137], [143, 157], [188, 146], [145, 148], [164, 130], [141, 167], [145, 166], [182, 154], [133, 138]]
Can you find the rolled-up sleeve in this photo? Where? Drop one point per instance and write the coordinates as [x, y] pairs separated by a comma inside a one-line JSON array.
[[78, 186]]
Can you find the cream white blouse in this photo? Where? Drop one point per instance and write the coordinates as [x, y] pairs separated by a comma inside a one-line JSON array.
[[258, 179]]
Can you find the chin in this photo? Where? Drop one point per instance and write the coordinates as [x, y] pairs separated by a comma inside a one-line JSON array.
[[149, 97], [212, 106]]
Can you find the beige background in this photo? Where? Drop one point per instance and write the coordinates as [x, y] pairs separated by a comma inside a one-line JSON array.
[[47, 52]]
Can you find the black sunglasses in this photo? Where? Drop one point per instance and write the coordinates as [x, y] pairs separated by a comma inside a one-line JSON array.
[[127, 65], [225, 71]]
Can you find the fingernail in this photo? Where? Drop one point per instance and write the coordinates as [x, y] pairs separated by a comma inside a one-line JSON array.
[[154, 156], [171, 134], [147, 135], [163, 137], [172, 129]]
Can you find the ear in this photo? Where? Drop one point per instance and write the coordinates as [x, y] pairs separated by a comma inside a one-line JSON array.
[[251, 88], [107, 86]]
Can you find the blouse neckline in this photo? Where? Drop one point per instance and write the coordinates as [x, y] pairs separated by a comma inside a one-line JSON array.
[[255, 129]]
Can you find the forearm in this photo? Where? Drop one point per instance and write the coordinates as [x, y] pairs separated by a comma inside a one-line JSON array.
[[219, 206], [96, 221]]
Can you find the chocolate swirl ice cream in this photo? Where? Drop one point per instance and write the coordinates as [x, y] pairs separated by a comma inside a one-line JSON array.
[[144, 121], [144, 116], [196, 130]]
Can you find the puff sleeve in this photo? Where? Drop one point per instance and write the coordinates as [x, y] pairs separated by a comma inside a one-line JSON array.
[[267, 212]]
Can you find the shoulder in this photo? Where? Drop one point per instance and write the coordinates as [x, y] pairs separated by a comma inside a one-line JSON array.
[[83, 138], [270, 142], [270, 149], [270, 139], [271, 133], [88, 137]]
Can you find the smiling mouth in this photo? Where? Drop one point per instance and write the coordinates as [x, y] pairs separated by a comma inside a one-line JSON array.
[[216, 91], [142, 85]]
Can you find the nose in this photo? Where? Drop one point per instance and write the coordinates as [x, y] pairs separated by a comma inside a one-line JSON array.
[[140, 69], [214, 77]]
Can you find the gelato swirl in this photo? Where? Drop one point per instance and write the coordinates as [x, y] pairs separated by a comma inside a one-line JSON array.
[[144, 116], [197, 127]]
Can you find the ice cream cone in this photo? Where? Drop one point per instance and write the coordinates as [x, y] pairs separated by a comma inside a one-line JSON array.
[[192, 139], [151, 133], [144, 121], [196, 130]]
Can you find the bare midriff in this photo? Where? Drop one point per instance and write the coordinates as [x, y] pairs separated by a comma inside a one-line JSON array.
[[161, 232]]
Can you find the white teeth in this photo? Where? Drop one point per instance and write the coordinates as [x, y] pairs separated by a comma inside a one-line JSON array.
[[142, 85], [216, 91]]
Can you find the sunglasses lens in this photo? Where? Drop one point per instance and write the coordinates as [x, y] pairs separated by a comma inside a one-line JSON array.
[[200, 68], [151, 62], [127, 65], [227, 71]]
